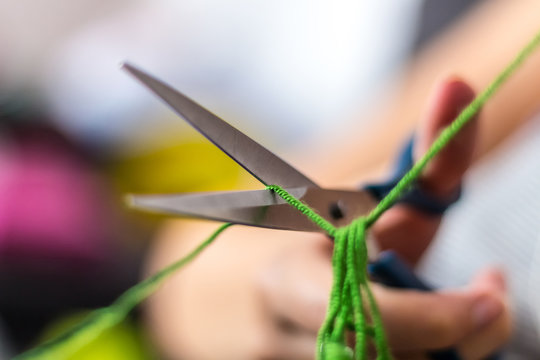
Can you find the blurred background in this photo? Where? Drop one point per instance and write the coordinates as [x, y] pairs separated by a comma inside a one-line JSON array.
[[76, 133]]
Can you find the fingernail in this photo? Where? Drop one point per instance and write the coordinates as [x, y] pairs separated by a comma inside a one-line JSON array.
[[485, 310], [498, 280]]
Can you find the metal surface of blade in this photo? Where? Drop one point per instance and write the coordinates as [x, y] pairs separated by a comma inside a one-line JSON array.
[[262, 208], [260, 162]]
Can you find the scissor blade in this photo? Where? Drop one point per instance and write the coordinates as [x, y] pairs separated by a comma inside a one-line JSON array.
[[260, 162], [261, 208]]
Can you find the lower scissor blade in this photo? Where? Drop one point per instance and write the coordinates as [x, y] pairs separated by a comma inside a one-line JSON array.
[[262, 208]]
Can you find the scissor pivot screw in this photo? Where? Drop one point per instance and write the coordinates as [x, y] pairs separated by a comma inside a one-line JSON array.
[[336, 211]]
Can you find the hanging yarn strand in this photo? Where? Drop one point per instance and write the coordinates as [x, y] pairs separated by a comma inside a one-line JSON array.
[[350, 297], [451, 131], [351, 303], [104, 318]]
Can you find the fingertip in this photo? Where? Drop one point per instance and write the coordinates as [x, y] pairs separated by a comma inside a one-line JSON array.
[[486, 309], [461, 92], [451, 96], [444, 172], [454, 95], [488, 289], [490, 278]]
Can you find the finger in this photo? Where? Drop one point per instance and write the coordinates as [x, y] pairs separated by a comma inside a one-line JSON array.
[[293, 291], [295, 287], [490, 338], [444, 172], [420, 320], [403, 228], [487, 341]]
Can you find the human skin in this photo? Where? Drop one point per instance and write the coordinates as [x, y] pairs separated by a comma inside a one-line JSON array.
[[477, 48], [259, 294], [262, 294]]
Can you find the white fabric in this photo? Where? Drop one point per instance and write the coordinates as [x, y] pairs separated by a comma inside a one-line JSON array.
[[302, 63], [497, 222]]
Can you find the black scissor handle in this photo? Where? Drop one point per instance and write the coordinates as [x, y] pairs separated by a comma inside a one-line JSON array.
[[389, 268], [415, 196]]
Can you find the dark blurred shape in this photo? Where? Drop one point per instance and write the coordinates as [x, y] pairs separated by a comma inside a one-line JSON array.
[[64, 242]]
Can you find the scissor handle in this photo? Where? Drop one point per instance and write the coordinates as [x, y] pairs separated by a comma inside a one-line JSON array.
[[415, 196], [389, 268]]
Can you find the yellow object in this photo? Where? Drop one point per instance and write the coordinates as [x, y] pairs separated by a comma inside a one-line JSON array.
[[122, 341]]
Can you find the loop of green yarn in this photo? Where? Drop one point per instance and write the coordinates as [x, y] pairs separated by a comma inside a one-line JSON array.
[[351, 305], [351, 300]]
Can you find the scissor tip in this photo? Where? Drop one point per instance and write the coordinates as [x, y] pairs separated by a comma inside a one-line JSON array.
[[132, 69], [124, 65]]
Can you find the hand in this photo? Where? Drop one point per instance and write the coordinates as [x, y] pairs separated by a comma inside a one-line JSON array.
[[405, 229], [294, 290], [475, 319], [259, 294]]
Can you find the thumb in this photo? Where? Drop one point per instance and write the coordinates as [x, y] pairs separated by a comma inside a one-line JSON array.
[[426, 321], [444, 172], [405, 229]]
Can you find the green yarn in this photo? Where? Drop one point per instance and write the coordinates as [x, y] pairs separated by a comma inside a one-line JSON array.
[[351, 296], [104, 318], [304, 209], [451, 130], [351, 304], [336, 351]]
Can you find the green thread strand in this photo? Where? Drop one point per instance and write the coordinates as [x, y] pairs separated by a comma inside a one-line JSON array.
[[358, 268], [450, 131], [353, 235], [335, 296], [104, 318], [304, 209], [383, 350], [356, 288], [338, 333], [348, 263]]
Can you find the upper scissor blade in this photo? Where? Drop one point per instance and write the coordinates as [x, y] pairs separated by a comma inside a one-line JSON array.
[[260, 208], [260, 162]]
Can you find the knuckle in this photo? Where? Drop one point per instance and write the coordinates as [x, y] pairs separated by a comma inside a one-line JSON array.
[[488, 340], [445, 329]]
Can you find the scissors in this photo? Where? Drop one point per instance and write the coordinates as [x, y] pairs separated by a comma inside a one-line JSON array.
[[263, 208]]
